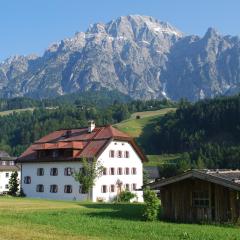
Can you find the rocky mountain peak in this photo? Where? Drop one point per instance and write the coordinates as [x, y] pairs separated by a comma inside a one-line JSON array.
[[137, 55]]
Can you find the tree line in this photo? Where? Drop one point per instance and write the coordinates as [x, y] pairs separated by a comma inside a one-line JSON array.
[[207, 131]]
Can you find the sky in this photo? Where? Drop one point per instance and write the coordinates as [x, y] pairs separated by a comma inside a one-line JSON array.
[[30, 26]]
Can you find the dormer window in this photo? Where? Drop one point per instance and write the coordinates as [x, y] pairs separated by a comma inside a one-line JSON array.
[[55, 153]]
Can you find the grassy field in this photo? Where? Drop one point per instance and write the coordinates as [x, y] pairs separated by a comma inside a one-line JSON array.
[[142, 128], [42, 219], [155, 160], [3, 113], [134, 127]]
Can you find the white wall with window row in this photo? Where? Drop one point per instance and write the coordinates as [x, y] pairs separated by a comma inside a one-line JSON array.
[[54, 180]]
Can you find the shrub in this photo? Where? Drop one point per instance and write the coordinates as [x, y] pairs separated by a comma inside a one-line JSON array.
[[13, 184], [125, 196], [152, 205]]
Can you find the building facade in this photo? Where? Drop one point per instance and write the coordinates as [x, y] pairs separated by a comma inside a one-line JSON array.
[[47, 167], [7, 167]]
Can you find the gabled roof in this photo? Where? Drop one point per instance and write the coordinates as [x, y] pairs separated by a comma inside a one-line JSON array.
[[86, 145], [226, 178]]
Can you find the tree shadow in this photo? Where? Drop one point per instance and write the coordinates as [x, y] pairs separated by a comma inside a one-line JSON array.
[[124, 211], [145, 139]]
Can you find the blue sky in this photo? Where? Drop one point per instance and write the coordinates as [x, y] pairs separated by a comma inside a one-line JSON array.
[[29, 26]]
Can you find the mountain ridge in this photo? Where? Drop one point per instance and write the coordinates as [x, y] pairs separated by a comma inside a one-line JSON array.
[[138, 55]]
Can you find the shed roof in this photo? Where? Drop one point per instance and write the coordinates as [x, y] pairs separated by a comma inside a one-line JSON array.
[[225, 177]]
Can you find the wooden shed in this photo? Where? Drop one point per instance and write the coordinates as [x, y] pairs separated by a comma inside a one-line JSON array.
[[201, 195]]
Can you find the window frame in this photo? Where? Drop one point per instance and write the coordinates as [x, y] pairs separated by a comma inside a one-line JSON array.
[[68, 188], [110, 171], [40, 171], [134, 171], [40, 188], [104, 187], [52, 172], [27, 180], [112, 188], [68, 171], [52, 187], [119, 171], [201, 199]]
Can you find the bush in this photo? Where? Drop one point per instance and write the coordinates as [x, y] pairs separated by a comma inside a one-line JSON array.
[[152, 205], [21, 193], [125, 196]]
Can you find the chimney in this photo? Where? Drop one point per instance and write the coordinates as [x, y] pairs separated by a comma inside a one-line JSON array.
[[91, 126]]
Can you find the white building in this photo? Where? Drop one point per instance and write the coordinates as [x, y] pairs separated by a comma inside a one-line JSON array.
[[7, 167], [48, 164]]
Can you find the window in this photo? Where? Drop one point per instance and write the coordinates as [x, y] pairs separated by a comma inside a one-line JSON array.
[[55, 153], [4, 163], [104, 171], [112, 188], [54, 188], [127, 171], [119, 171], [134, 171], [134, 186], [126, 154], [112, 171], [7, 175], [54, 172], [104, 188], [27, 180], [6, 186], [68, 171], [119, 154], [39, 188], [111, 154], [40, 171], [11, 163], [68, 188], [200, 199], [127, 187]]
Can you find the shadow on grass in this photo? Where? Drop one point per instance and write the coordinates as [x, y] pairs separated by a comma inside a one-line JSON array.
[[118, 211], [146, 137]]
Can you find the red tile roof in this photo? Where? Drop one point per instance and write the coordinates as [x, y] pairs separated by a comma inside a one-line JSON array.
[[87, 144]]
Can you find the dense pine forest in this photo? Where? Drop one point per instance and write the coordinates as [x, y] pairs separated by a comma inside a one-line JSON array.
[[20, 129], [207, 132]]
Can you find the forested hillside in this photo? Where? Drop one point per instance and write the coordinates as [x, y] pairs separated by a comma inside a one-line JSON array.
[[208, 130], [20, 129]]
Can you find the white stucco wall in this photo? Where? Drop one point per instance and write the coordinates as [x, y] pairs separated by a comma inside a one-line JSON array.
[[5, 180], [132, 162], [30, 169]]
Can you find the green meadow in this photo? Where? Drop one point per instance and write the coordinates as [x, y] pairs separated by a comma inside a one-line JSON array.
[[26, 219]]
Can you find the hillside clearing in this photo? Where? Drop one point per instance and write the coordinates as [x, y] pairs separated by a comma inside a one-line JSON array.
[[134, 127], [75, 220], [4, 113]]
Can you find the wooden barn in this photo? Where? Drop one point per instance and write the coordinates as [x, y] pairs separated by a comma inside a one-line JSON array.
[[201, 195]]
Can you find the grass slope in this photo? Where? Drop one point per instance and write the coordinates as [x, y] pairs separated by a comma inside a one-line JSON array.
[[42, 219], [3, 113], [140, 128], [134, 127]]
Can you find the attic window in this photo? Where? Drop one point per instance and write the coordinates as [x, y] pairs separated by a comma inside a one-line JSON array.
[[200, 199]]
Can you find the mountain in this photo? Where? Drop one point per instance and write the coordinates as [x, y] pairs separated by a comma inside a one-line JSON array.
[[137, 55]]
